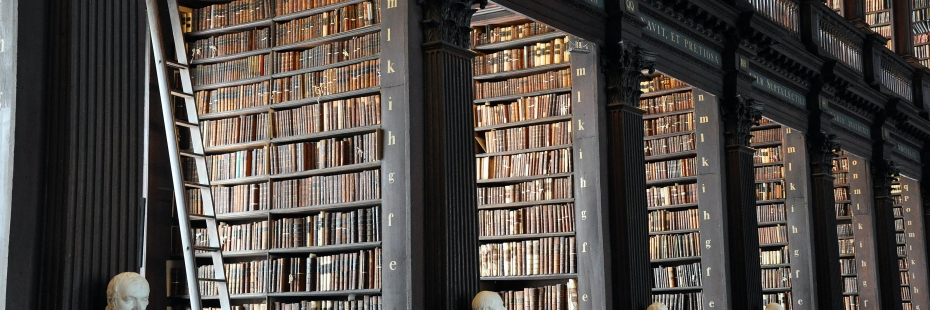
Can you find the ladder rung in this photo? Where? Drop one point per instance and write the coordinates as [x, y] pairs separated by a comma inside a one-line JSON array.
[[175, 65], [210, 280], [195, 185], [191, 154], [185, 124], [181, 94], [207, 248]]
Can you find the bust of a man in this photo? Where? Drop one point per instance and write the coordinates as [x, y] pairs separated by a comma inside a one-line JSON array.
[[487, 300], [128, 291], [657, 306], [774, 306]]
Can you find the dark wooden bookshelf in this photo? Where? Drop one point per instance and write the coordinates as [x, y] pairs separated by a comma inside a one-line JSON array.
[[906, 198]]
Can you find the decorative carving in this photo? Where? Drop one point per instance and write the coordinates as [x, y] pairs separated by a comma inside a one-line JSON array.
[[741, 114], [887, 172], [127, 291], [487, 300], [449, 21], [823, 147], [624, 64]]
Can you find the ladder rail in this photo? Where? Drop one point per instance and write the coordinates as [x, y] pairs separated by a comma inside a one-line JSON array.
[[178, 183]]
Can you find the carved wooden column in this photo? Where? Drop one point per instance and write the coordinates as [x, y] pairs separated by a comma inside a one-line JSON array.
[[884, 172], [450, 221], [822, 147], [631, 274]]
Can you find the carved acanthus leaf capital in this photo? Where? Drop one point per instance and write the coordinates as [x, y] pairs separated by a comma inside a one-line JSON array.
[[624, 64], [740, 115], [886, 172], [449, 21], [824, 149]]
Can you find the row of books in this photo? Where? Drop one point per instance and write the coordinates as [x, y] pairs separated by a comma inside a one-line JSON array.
[[884, 31], [770, 190], [282, 7], [357, 270], [841, 193], [899, 224], [660, 82], [897, 199], [844, 230], [770, 213], [230, 199], [669, 169], [553, 255], [327, 82], [524, 164], [527, 137], [668, 124], [779, 277], [326, 153], [327, 116], [228, 14], [687, 275], [327, 228], [841, 178], [660, 196], [668, 220], [327, 23], [847, 266], [783, 12], [327, 189], [773, 234], [234, 165], [330, 53], [897, 211], [330, 81], [493, 34], [781, 298], [851, 302], [876, 5], [550, 297], [899, 238], [902, 263], [541, 219], [766, 135], [233, 97], [668, 145], [922, 38], [847, 246], [681, 301], [675, 245], [524, 109], [360, 303], [774, 257], [529, 56], [842, 209], [922, 51], [535, 190], [769, 172], [906, 294], [682, 101], [231, 43], [245, 128], [228, 71], [522, 85], [241, 278], [905, 277], [243, 237], [767, 155], [875, 18]]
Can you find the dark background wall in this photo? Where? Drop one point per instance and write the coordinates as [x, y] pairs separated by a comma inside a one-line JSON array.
[[78, 153]]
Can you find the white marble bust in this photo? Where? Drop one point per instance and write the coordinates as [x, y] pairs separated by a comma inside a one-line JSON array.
[[657, 306], [774, 306], [487, 300], [128, 291]]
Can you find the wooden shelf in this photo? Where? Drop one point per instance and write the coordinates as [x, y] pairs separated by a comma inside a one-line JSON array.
[[324, 67], [247, 215], [664, 114], [231, 113], [314, 11], [766, 144], [327, 134], [524, 178], [524, 204], [775, 265], [326, 248], [217, 59], [327, 171], [670, 232], [327, 207], [770, 180], [666, 135], [330, 97], [328, 39], [326, 293], [676, 289], [774, 163], [538, 149], [228, 29], [234, 254], [773, 223], [765, 126], [242, 180], [227, 148], [669, 181], [519, 42], [776, 290], [774, 244], [544, 120], [561, 276], [522, 72], [676, 155], [678, 206], [525, 236], [676, 260], [664, 92], [770, 201], [844, 218], [233, 83], [530, 94]]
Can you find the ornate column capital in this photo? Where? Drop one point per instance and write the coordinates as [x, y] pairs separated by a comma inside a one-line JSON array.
[[886, 172], [448, 21], [624, 63], [823, 148], [739, 115]]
